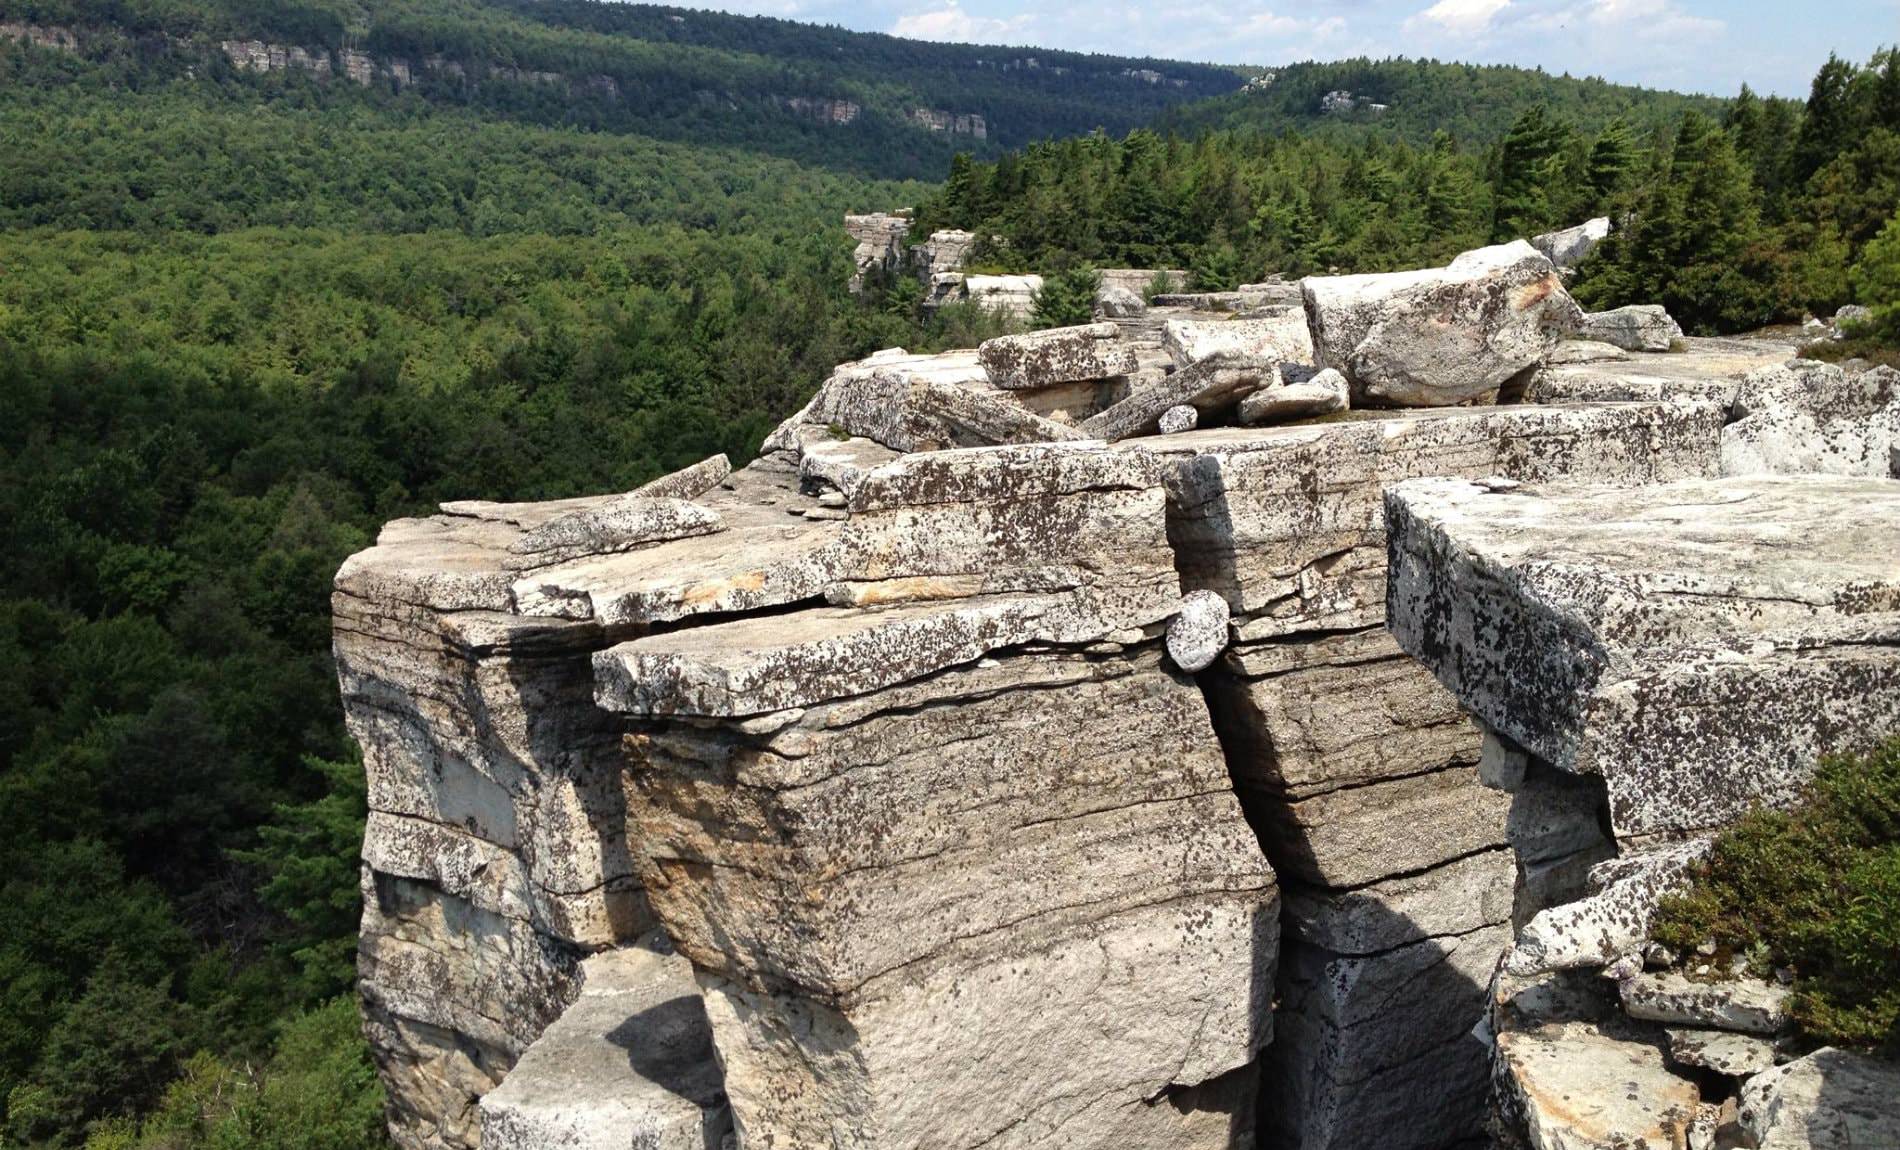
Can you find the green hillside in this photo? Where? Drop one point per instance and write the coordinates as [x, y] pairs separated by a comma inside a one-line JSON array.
[[1416, 100], [846, 100]]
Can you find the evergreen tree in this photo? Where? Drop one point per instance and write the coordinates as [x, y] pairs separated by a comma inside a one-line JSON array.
[[1829, 121], [1612, 163], [1528, 171]]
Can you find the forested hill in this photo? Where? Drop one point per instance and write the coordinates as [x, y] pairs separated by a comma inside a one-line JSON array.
[[1416, 100], [866, 103]]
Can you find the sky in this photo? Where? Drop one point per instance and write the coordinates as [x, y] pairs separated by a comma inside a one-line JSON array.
[[1689, 45]]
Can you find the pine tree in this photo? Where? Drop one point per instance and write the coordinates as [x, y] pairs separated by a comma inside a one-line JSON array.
[[1612, 160], [1527, 174], [1829, 121]]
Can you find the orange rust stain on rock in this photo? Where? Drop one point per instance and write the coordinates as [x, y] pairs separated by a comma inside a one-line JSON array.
[[713, 588], [1535, 292]]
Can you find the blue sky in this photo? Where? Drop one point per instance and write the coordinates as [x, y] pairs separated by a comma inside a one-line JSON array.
[[1692, 45]]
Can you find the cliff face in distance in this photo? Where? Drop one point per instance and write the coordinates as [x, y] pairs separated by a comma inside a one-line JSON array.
[[993, 763]]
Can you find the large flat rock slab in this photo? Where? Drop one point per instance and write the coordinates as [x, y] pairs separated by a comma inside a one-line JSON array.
[[630, 1063], [1698, 644]]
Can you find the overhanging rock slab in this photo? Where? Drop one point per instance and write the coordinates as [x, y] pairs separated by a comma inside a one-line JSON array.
[[1698, 644]]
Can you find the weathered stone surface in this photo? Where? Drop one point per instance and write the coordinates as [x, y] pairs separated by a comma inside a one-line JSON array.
[[1638, 327], [1336, 711], [1321, 394], [1723, 1051], [1014, 296], [621, 525], [1057, 355], [944, 251], [628, 1064], [1742, 1005], [1198, 633], [919, 403], [1377, 1050], [1344, 838], [1577, 1087], [1569, 247], [1114, 301], [1211, 386], [1280, 338], [1813, 418], [688, 482], [1830, 1100], [1586, 351], [1442, 336], [1457, 898], [1288, 523], [1613, 919], [886, 893], [1176, 420], [1698, 644], [1706, 369], [880, 240]]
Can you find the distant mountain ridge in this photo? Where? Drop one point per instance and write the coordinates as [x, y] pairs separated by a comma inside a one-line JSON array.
[[874, 104]]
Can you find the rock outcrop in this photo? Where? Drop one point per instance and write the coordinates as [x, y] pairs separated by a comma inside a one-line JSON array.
[[1671, 657], [1569, 247], [1004, 758], [1442, 336]]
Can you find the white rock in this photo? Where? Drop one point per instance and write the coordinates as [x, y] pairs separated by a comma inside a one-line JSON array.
[[1576, 1087], [1810, 418], [628, 522], [1178, 419], [1742, 1005], [1586, 351], [1117, 302], [1213, 385], [630, 1063], [1199, 632], [1638, 327], [1441, 336], [1612, 921], [1320, 394], [1830, 1100], [1041, 359], [1723, 1051], [690, 482], [1569, 247], [1281, 338]]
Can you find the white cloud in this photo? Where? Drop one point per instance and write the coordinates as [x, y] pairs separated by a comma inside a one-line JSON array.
[[1460, 17], [952, 23]]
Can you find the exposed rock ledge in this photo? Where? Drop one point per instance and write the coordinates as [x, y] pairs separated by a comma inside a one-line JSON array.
[[882, 734]]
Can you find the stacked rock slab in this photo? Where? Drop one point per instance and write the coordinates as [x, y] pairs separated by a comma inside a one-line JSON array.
[[496, 853], [1355, 768], [1686, 651], [957, 864]]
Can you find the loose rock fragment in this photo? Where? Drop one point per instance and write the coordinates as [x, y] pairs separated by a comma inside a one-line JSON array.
[[690, 482], [1321, 394], [1638, 327], [1175, 420], [1282, 338], [1741, 1005], [1058, 355], [1199, 633]]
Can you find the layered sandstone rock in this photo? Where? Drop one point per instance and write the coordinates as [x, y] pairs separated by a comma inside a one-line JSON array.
[[1681, 653]]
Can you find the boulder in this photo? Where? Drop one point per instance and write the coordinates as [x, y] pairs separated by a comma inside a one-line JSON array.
[[1745, 1006], [1813, 418], [1575, 1086], [1041, 359], [1442, 336], [918, 403], [1198, 633], [1114, 301], [1281, 338], [1570, 246], [1723, 1051], [1178, 419], [1638, 327], [1613, 919], [1211, 386], [690, 482], [1830, 1100], [1320, 394], [1014, 296], [1586, 351], [1853, 315], [629, 1063]]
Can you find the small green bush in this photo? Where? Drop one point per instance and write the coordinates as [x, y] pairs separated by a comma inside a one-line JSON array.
[[1067, 297], [1817, 890]]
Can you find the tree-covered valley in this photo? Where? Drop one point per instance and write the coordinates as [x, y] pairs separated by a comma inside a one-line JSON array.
[[248, 316]]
